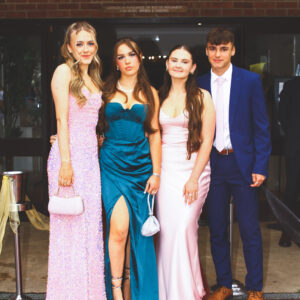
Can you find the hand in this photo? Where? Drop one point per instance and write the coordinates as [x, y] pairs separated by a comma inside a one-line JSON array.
[[190, 191], [152, 185], [53, 139], [65, 177], [257, 179], [100, 140]]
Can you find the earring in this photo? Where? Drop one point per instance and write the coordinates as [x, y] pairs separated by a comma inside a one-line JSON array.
[[117, 68]]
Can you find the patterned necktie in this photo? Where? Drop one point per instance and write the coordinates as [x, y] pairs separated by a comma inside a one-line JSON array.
[[220, 140]]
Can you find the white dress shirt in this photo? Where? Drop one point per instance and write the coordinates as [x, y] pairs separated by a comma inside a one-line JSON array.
[[226, 88]]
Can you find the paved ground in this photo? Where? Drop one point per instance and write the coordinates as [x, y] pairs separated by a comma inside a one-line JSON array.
[[281, 265]]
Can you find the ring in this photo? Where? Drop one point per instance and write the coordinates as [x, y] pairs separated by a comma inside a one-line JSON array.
[[257, 182], [190, 195]]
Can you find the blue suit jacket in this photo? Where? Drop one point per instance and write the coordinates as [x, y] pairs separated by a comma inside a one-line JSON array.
[[248, 122]]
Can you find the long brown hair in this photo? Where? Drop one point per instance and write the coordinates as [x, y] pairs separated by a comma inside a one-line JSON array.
[[142, 86], [95, 67], [193, 103]]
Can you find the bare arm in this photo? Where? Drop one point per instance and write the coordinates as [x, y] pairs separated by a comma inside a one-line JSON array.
[[60, 91], [155, 149], [207, 136]]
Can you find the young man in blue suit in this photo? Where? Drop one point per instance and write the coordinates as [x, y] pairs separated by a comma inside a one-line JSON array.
[[239, 161]]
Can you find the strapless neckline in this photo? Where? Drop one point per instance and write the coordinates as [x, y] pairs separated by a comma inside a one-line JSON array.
[[124, 108]]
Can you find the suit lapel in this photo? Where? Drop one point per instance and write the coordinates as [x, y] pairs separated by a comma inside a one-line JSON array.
[[234, 93]]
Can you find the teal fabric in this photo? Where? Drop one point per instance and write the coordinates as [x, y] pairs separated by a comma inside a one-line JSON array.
[[126, 165]]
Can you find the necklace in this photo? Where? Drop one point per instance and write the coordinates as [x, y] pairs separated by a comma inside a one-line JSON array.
[[123, 89]]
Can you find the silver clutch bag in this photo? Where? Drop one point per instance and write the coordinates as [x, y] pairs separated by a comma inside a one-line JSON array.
[[62, 205], [151, 225]]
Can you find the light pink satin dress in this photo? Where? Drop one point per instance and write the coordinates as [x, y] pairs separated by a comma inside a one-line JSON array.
[[76, 261], [177, 252]]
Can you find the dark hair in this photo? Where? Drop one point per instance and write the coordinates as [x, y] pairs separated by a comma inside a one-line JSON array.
[[219, 36], [142, 86], [193, 104]]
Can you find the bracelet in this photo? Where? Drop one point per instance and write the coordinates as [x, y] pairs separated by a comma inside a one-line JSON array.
[[156, 174]]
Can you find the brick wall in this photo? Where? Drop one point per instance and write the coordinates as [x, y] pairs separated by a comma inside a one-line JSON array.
[[28, 9]]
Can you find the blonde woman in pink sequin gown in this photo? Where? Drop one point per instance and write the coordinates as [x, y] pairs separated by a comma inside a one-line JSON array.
[[76, 263], [187, 120]]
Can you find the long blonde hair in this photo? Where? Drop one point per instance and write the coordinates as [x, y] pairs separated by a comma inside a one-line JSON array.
[[95, 68]]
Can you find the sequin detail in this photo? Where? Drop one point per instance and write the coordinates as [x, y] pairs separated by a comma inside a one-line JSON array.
[[76, 263]]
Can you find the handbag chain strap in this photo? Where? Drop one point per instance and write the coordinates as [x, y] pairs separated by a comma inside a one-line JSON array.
[[152, 206]]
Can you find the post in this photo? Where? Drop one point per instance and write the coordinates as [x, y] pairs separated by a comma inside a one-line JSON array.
[[18, 185]]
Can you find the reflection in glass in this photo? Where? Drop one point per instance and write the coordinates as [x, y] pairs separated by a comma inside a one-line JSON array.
[[20, 86], [279, 52]]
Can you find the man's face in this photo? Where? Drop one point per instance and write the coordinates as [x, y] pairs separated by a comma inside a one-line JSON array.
[[219, 56]]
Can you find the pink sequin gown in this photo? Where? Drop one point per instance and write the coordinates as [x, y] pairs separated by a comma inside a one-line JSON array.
[[178, 262], [76, 263]]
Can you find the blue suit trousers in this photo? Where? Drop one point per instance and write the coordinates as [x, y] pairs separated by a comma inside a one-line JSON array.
[[227, 180]]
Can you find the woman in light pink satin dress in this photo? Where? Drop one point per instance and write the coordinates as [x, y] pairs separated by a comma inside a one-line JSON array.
[[76, 260], [187, 119]]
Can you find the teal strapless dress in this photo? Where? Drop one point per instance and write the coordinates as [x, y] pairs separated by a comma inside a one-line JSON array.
[[126, 165]]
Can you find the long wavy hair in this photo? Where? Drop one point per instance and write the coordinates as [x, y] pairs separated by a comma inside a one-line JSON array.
[[95, 68], [193, 103], [142, 87]]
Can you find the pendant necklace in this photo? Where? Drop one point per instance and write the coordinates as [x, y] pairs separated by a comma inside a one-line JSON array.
[[123, 89]]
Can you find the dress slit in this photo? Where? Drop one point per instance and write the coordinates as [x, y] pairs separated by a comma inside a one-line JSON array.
[[133, 261], [126, 166]]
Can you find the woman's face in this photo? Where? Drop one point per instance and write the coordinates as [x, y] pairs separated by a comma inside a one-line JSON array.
[[180, 64], [127, 61], [83, 46]]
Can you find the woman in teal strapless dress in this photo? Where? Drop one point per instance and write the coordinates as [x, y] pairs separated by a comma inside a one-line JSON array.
[[130, 159]]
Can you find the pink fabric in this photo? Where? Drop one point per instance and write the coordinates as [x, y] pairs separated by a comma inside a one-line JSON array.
[[177, 252], [76, 263]]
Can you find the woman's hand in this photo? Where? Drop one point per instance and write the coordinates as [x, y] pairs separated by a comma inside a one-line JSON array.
[[65, 177], [100, 140], [190, 191], [52, 139], [152, 185]]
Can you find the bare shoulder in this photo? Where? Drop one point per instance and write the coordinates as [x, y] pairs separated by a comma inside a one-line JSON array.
[[62, 74], [62, 70], [207, 100], [206, 93]]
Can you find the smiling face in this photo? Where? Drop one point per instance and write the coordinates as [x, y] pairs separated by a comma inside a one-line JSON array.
[[83, 46], [127, 60], [180, 64], [219, 56]]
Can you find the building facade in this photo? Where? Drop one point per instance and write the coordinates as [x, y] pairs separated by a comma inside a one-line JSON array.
[[31, 32]]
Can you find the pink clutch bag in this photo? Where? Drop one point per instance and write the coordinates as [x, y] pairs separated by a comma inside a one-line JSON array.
[[66, 205]]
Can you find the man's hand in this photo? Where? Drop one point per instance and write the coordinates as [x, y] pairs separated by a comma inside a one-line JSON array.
[[257, 179], [53, 139]]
